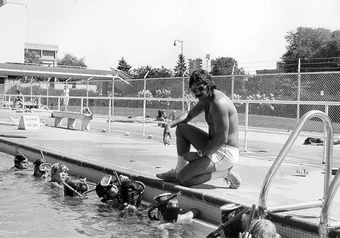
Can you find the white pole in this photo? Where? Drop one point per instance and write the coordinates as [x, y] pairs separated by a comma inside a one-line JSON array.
[[39, 105], [144, 104], [246, 128], [67, 97], [232, 82], [9, 106], [113, 96], [31, 89], [87, 92], [109, 120], [23, 105], [183, 81], [183, 92], [298, 92], [47, 89]]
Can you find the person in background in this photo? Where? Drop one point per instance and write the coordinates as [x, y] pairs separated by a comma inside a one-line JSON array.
[[217, 150], [18, 100], [262, 228], [20, 161], [66, 95], [58, 175], [41, 168], [87, 111]]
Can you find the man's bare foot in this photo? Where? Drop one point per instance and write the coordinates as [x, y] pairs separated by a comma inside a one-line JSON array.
[[170, 176], [230, 184]]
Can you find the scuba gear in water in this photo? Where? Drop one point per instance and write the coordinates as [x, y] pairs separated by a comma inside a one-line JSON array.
[[126, 191], [167, 206], [45, 167], [106, 189], [130, 192]]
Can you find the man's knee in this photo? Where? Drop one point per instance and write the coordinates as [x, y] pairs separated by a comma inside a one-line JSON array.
[[181, 128]]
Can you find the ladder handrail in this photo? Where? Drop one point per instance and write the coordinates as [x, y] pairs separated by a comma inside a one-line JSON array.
[[328, 191], [328, 201]]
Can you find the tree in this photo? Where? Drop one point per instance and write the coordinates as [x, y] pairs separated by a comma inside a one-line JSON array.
[[71, 60], [224, 66], [317, 48], [124, 66], [153, 72], [164, 80], [31, 57], [181, 67]]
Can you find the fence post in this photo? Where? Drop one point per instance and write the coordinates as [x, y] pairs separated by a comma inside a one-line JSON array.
[[81, 103], [23, 105], [298, 91], [232, 82], [324, 135], [47, 90], [9, 106], [113, 98], [39, 105], [109, 120], [246, 127], [183, 93], [39, 101], [144, 104], [47, 83], [31, 89]]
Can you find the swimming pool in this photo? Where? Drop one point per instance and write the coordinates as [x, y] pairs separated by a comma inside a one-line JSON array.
[[30, 208]]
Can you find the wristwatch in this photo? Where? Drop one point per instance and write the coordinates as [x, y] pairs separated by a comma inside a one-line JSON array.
[[199, 152]]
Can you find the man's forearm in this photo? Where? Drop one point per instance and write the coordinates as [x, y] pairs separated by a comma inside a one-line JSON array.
[[180, 119]]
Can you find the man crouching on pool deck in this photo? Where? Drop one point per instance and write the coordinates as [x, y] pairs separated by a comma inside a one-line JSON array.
[[217, 150]]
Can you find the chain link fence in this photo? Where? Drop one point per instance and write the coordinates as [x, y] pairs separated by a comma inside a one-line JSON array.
[[266, 102]]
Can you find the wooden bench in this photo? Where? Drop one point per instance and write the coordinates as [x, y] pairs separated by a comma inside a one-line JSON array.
[[71, 118]]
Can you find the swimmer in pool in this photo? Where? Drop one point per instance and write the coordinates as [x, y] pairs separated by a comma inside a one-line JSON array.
[[75, 186], [41, 168], [130, 195], [20, 162], [262, 228], [125, 194], [168, 209], [106, 189], [58, 175]]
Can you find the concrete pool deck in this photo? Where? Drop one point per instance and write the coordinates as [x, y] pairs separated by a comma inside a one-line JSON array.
[[146, 157]]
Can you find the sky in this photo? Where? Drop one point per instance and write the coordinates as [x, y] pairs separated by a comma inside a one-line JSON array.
[[143, 31]]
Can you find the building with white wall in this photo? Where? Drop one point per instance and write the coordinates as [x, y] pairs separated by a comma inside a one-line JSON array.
[[47, 54], [12, 34]]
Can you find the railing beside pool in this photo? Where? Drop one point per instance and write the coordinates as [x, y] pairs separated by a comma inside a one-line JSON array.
[[330, 186]]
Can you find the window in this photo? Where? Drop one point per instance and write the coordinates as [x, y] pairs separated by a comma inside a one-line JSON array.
[[48, 53]]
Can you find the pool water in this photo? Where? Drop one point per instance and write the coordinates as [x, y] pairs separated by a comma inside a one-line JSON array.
[[31, 208]]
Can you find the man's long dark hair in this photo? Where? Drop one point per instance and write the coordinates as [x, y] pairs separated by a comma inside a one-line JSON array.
[[201, 76]]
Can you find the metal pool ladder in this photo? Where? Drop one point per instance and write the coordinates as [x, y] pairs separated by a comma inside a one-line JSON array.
[[330, 187]]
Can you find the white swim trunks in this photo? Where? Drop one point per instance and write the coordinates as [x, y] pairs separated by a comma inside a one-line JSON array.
[[225, 157]]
